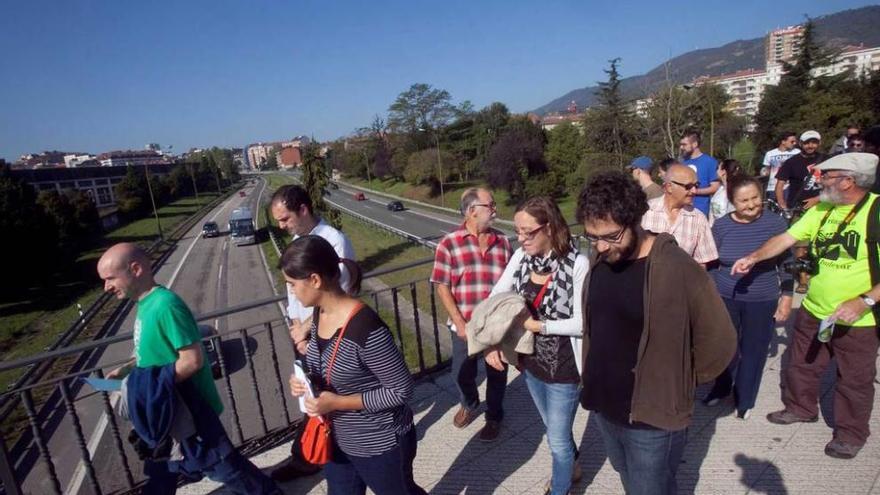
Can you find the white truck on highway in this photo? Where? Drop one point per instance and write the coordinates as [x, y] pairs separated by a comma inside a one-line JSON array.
[[241, 226]]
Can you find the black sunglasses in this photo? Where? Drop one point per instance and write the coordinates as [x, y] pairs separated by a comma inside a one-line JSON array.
[[687, 187]]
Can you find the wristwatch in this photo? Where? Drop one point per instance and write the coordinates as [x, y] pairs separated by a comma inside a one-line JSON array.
[[867, 300]]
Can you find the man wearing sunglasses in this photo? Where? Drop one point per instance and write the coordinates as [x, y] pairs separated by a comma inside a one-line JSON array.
[[842, 293], [674, 213]]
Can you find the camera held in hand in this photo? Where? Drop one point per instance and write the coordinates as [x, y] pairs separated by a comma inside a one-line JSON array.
[[797, 266]]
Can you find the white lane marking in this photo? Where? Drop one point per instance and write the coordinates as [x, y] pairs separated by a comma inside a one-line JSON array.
[[190, 248], [80, 473], [271, 279], [220, 274]]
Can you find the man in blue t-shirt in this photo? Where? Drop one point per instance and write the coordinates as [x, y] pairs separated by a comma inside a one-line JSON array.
[[704, 165]]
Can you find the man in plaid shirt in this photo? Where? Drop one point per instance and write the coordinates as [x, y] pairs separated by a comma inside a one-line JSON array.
[[467, 264], [674, 213]]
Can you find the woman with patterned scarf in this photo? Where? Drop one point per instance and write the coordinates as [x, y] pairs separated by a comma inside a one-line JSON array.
[[549, 272]]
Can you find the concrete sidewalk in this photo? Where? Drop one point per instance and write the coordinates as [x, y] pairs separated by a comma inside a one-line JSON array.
[[724, 455]]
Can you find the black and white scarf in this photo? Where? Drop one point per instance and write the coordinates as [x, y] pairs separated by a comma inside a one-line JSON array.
[[560, 303]]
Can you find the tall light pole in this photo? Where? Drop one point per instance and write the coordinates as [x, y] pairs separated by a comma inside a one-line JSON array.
[[439, 165], [153, 201]]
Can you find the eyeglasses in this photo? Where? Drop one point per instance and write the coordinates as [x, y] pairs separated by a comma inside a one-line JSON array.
[[687, 187], [491, 205], [612, 238], [530, 234], [824, 175]]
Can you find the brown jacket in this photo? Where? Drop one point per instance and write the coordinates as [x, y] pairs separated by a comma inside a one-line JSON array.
[[688, 337]]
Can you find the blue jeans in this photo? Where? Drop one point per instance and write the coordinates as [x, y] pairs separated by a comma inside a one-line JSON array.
[[557, 404], [464, 370], [236, 472], [646, 459], [389, 473], [754, 327]]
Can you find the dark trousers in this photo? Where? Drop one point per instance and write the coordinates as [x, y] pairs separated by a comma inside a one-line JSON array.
[[464, 370], [237, 473], [645, 459], [754, 325], [855, 349], [389, 473]]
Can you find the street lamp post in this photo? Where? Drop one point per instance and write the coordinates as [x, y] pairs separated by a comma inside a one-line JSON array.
[[439, 165], [153, 201]]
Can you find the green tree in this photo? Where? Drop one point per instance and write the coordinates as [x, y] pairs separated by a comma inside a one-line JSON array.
[[29, 233], [564, 152], [271, 162], [132, 196], [610, 127], [315, 179], [423, 168], [516, 161], [420, 107]]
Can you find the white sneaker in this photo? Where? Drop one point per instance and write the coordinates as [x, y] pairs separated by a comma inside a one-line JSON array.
[[744, 415]]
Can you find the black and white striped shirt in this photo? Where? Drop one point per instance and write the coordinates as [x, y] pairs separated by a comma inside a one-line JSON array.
[[369, 363]]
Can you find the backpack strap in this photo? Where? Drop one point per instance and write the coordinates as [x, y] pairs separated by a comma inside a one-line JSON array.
[[872, 238]]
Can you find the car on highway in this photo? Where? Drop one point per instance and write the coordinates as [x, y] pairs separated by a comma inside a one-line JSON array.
[[210, 229], [359, 196], [241, 193], [395, 206], [334, 185], [211, 349]]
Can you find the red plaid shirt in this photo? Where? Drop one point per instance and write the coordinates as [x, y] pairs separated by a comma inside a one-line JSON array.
[[470, 274]]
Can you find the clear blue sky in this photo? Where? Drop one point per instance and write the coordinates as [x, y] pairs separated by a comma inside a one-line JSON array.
[[84, 75]]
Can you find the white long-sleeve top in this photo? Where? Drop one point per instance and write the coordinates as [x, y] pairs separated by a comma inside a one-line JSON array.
[[572, 327]]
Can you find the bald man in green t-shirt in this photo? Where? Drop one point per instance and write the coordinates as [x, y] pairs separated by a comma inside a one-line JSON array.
[[165, 332]]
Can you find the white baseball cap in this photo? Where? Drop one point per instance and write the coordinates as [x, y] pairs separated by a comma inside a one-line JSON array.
[[810, 135]]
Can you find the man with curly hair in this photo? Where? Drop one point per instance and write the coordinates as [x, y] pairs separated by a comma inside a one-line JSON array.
[[654, 327]]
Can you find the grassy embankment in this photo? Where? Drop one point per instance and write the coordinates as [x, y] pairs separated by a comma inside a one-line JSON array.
[[36, 317], [376, 249]]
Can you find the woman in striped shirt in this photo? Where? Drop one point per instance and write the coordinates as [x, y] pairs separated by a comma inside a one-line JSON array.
[[374, 439], [755, 301]]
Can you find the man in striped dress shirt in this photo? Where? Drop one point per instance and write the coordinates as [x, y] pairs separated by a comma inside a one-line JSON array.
[[467, 263]]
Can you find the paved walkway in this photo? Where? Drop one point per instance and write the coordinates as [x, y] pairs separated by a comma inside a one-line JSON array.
[[724, 455]]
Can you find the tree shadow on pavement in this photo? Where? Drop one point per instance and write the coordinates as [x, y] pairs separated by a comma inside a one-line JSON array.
[[760, 476]]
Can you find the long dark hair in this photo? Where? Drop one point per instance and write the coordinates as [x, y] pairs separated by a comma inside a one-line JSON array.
[[545, 211], [313, 254]]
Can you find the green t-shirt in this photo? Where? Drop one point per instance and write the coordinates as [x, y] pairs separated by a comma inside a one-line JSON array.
[[163, 325], [843, 265]]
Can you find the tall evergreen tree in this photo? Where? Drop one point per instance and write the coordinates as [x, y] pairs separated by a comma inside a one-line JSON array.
[[609, 126]]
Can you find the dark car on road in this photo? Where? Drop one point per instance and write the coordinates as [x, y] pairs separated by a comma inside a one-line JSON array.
[[395, 206], [210, 229], [359, 196], [242, 194], [211, 349]]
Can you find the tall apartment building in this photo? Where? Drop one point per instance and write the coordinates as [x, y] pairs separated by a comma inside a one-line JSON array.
[[782, 45], [746, 87]]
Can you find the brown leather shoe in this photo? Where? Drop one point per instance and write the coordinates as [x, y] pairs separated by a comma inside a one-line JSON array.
[[841, 450], [489, 433], [291, 470], [784, 417], [464, 417]]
